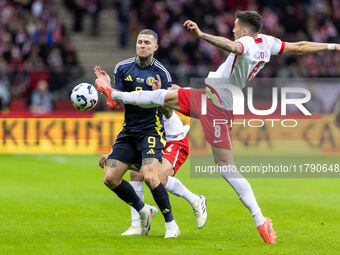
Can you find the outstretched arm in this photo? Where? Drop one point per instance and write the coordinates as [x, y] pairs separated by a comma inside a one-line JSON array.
[[304, 47], [218, 41], [167, 112]]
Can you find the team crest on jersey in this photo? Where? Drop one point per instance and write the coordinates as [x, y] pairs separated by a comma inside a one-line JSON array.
[[139, 80], [150, 81]]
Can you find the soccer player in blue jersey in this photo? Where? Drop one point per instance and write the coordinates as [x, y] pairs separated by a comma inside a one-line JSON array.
[[141, 139]]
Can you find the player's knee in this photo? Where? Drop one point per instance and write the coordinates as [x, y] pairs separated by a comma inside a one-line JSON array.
[[111, 181], [163, 176], [163, 180], [222, 161], [151, 180]]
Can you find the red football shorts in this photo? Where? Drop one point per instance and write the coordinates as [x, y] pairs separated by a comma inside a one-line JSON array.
[[177, 152], [215, 123]]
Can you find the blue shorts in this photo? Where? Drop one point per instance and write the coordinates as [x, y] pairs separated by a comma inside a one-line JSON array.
[[132, 148]]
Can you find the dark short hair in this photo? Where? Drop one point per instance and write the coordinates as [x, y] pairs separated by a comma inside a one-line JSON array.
[[251, 19], [149, 32]]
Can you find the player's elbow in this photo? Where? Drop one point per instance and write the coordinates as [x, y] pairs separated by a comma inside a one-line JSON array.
[[300, 46], [233, 48]]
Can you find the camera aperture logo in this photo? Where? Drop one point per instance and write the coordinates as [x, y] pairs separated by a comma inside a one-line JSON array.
[[238, 106]]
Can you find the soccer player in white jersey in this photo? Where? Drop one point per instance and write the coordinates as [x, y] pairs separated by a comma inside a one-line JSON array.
[[176, 151], [249, 53]]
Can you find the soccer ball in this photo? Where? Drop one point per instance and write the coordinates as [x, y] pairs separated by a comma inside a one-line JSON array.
[[84, 97]]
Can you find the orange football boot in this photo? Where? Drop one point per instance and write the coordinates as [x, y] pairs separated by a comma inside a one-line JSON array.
[[106, 90], [267, 232]]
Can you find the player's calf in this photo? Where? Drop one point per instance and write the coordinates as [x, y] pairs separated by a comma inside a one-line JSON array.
[[114, 172], [126, 193], [161, 197]]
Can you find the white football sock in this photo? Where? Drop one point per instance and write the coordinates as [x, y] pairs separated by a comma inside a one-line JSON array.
[[146, 99], [138, 187], [176, 187], [244, 192]]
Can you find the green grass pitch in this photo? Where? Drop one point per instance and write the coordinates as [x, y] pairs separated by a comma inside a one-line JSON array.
[[59, 205]]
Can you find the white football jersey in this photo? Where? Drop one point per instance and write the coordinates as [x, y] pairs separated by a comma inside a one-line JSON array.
[[239, 69], [174, 128]]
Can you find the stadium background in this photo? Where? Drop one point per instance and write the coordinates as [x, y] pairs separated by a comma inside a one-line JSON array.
[[47, 47]]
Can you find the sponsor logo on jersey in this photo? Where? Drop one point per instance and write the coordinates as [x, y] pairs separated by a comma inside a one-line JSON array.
[[150, 81], [139, 80], [129, 78], [150, 152]]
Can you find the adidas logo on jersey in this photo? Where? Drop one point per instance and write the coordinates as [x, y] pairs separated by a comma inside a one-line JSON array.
[[128, 78], [150, 152]]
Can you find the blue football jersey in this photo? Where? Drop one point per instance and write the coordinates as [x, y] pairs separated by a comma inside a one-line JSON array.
[[129, 76]]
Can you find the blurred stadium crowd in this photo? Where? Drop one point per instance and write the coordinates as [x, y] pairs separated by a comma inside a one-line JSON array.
[[35, 45], [289, 20], [34, 48]]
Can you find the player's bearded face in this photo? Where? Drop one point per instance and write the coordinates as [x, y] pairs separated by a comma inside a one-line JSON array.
[[146, 45]]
